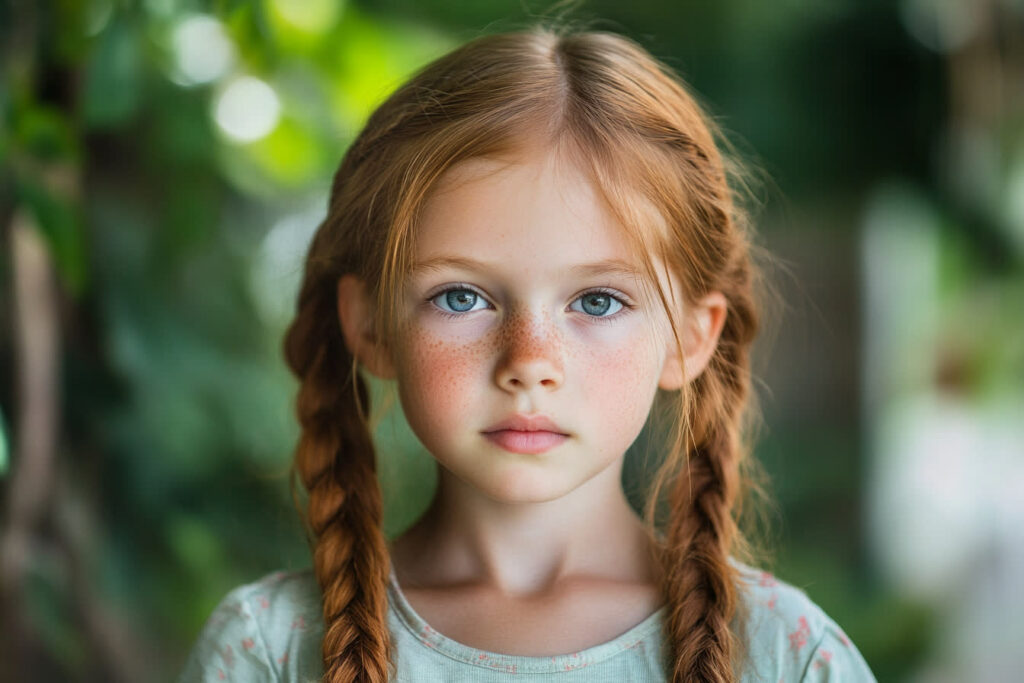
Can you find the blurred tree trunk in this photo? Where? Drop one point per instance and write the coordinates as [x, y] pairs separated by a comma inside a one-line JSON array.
[[48, 537], [36, 352]]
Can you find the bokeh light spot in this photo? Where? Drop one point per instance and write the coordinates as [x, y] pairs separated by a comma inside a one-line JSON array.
[[202, 50], [247, 109], [308, 16]]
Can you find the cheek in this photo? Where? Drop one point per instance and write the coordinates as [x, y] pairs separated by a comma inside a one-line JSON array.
[[622, 377], [437, 379]]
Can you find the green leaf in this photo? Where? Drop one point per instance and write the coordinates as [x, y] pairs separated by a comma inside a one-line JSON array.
[[300, 27], [290, 154], [59, 221], [246, 23], [46, 134], [113, 77]]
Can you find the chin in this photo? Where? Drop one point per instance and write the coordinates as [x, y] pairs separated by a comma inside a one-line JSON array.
[[524, 487]]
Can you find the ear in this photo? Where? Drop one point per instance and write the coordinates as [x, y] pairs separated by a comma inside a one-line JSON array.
[[703, 324], [354, 312]]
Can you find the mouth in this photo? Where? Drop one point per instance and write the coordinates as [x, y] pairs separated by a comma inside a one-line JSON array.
[[526, 434], [529, 442], [527, 423]]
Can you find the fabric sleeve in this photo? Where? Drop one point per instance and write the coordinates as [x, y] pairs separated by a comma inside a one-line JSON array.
[[835, 659], [231, 646]]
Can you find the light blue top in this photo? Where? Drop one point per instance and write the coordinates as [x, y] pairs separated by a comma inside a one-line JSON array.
[[271, 630]]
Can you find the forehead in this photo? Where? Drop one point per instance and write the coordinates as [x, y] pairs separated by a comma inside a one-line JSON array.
[[535, 207]]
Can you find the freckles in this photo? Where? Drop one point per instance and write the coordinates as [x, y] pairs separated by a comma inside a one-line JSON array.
[[440, 374], [521, 338]]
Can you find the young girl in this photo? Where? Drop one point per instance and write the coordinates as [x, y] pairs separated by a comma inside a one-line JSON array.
[[535, 239]]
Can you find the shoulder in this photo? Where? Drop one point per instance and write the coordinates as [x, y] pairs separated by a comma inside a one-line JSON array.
[[267, 630], [788, 637]]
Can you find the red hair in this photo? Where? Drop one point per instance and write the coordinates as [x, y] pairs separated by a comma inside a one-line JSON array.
[[652, 153]]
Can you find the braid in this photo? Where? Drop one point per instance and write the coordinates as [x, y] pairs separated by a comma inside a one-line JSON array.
[[701, 583], [335, 461], [701, 587]]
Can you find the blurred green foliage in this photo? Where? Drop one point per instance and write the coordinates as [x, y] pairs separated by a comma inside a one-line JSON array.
[[176, 212]]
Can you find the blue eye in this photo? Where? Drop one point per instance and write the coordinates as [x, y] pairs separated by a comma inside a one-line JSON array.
[[457, 299], [598, 304]]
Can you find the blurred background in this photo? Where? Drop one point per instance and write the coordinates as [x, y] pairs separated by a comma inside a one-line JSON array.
[[163, 165]]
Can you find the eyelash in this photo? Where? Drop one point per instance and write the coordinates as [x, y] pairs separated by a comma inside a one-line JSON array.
[[604, 320]]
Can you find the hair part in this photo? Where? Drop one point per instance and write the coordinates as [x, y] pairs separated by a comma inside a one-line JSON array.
[[652, 153]]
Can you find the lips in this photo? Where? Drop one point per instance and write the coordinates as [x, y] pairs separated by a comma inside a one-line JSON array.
[[526, 434], [526, 423]]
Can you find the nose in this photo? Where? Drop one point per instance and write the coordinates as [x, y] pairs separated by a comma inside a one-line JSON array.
[[531, 356]]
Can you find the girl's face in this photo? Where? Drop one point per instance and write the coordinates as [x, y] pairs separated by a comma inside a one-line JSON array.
[[522, 303]]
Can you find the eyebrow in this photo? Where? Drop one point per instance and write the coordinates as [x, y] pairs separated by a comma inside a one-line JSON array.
[[608, 267]]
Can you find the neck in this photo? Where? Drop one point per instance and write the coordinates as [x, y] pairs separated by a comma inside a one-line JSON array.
[[525, 549]]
